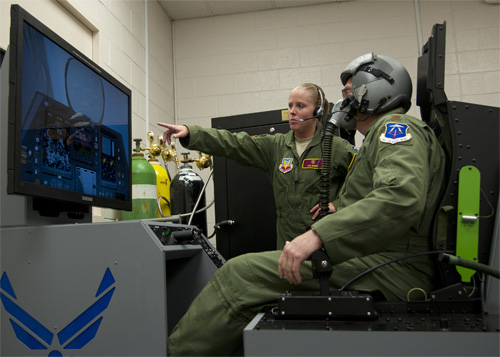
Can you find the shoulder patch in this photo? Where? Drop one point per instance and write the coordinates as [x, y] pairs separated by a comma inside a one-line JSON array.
[[286, 165], [395, 133], [352, 147]]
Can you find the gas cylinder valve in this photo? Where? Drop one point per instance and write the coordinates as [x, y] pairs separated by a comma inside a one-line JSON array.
[[202, 162], [153, 150], [168, 154], [137, 145]]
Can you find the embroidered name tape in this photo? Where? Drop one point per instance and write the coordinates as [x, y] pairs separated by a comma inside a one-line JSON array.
[[312, 164]]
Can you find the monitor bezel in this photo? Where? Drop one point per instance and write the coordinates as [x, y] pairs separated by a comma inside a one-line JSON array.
[[14, 183]]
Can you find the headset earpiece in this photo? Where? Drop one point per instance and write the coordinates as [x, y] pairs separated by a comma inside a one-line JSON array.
[[319, 112]]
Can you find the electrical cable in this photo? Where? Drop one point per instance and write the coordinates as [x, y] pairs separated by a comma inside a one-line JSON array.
[[416, 289], [182, 214], [219, 225], [178, 217], [473, 286], [159, 204], [389, 262], [489, 204], [199, 197]]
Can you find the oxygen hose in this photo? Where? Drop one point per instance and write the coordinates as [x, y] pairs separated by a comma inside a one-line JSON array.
[[324, 181], [199, 198], [178, 217], [454, 260]]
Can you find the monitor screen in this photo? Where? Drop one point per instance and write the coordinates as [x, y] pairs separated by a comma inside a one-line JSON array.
[[69, 121]]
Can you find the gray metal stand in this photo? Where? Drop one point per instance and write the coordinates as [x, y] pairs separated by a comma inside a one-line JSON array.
[[110, 289]]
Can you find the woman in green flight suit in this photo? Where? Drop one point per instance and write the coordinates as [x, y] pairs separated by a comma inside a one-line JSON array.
[[292, 161]]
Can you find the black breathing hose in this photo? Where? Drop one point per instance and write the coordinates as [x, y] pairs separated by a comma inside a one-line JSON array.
[[324, 181]]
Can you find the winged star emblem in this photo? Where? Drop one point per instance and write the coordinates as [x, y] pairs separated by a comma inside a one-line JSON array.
[[75, 335], [395, 133]]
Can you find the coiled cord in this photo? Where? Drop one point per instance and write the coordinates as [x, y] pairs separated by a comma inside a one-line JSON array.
[[324, 181]]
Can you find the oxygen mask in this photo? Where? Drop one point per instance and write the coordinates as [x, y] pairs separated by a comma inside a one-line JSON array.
[[343, 115]]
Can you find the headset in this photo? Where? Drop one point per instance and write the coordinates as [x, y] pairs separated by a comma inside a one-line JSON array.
[[319, 112]]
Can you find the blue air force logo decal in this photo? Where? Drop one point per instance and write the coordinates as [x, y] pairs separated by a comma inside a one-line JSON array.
[[73, 336], [395, 133], [286, 165]]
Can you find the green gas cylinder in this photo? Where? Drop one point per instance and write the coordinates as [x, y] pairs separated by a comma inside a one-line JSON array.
[[144, 204]]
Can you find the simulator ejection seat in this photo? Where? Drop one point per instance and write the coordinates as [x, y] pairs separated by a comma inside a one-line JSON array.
[[465, 221], [461, 316], [463, 232], [464, 226]]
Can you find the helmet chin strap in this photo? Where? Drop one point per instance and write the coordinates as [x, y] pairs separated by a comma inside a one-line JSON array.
[[354, 105], [345, 110], [365, 119]]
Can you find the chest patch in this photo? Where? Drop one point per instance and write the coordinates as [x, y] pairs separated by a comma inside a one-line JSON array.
[[286, 165], [312, 164], [395, 133]]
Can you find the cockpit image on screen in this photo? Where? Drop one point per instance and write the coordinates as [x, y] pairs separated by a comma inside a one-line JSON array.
[[75, 124]]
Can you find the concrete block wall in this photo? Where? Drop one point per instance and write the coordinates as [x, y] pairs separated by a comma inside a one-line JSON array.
[[132, 40], [472, 48], [115, 34], [246, 63], [190, 71], [136, 46]]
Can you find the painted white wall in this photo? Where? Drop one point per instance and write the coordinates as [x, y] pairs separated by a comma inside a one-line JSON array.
[[246, 63], [198, 69], [113, 33], [119, 28], [53, 15]]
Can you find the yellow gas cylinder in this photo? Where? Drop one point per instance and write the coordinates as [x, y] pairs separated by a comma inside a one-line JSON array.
[[162, 188]]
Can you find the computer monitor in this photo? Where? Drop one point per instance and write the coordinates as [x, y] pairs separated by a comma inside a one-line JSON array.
[[69, 124]]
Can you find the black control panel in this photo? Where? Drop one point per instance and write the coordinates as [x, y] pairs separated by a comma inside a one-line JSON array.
[[459, 316], [175, 234]]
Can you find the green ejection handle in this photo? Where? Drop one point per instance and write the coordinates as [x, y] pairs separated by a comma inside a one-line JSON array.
[[469, 191]]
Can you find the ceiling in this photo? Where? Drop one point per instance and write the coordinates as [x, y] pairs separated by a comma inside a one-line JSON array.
[[190, 9]]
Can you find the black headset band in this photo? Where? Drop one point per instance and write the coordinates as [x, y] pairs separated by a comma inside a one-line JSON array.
[[318, 112]]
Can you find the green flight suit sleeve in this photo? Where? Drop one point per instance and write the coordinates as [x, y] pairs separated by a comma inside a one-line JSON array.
[[393, 180], [240, 147]]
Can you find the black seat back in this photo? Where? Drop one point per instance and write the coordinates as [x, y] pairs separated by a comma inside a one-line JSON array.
[[469, 135]]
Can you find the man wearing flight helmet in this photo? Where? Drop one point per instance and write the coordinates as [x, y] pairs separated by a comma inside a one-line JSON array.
[[384, 212]]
